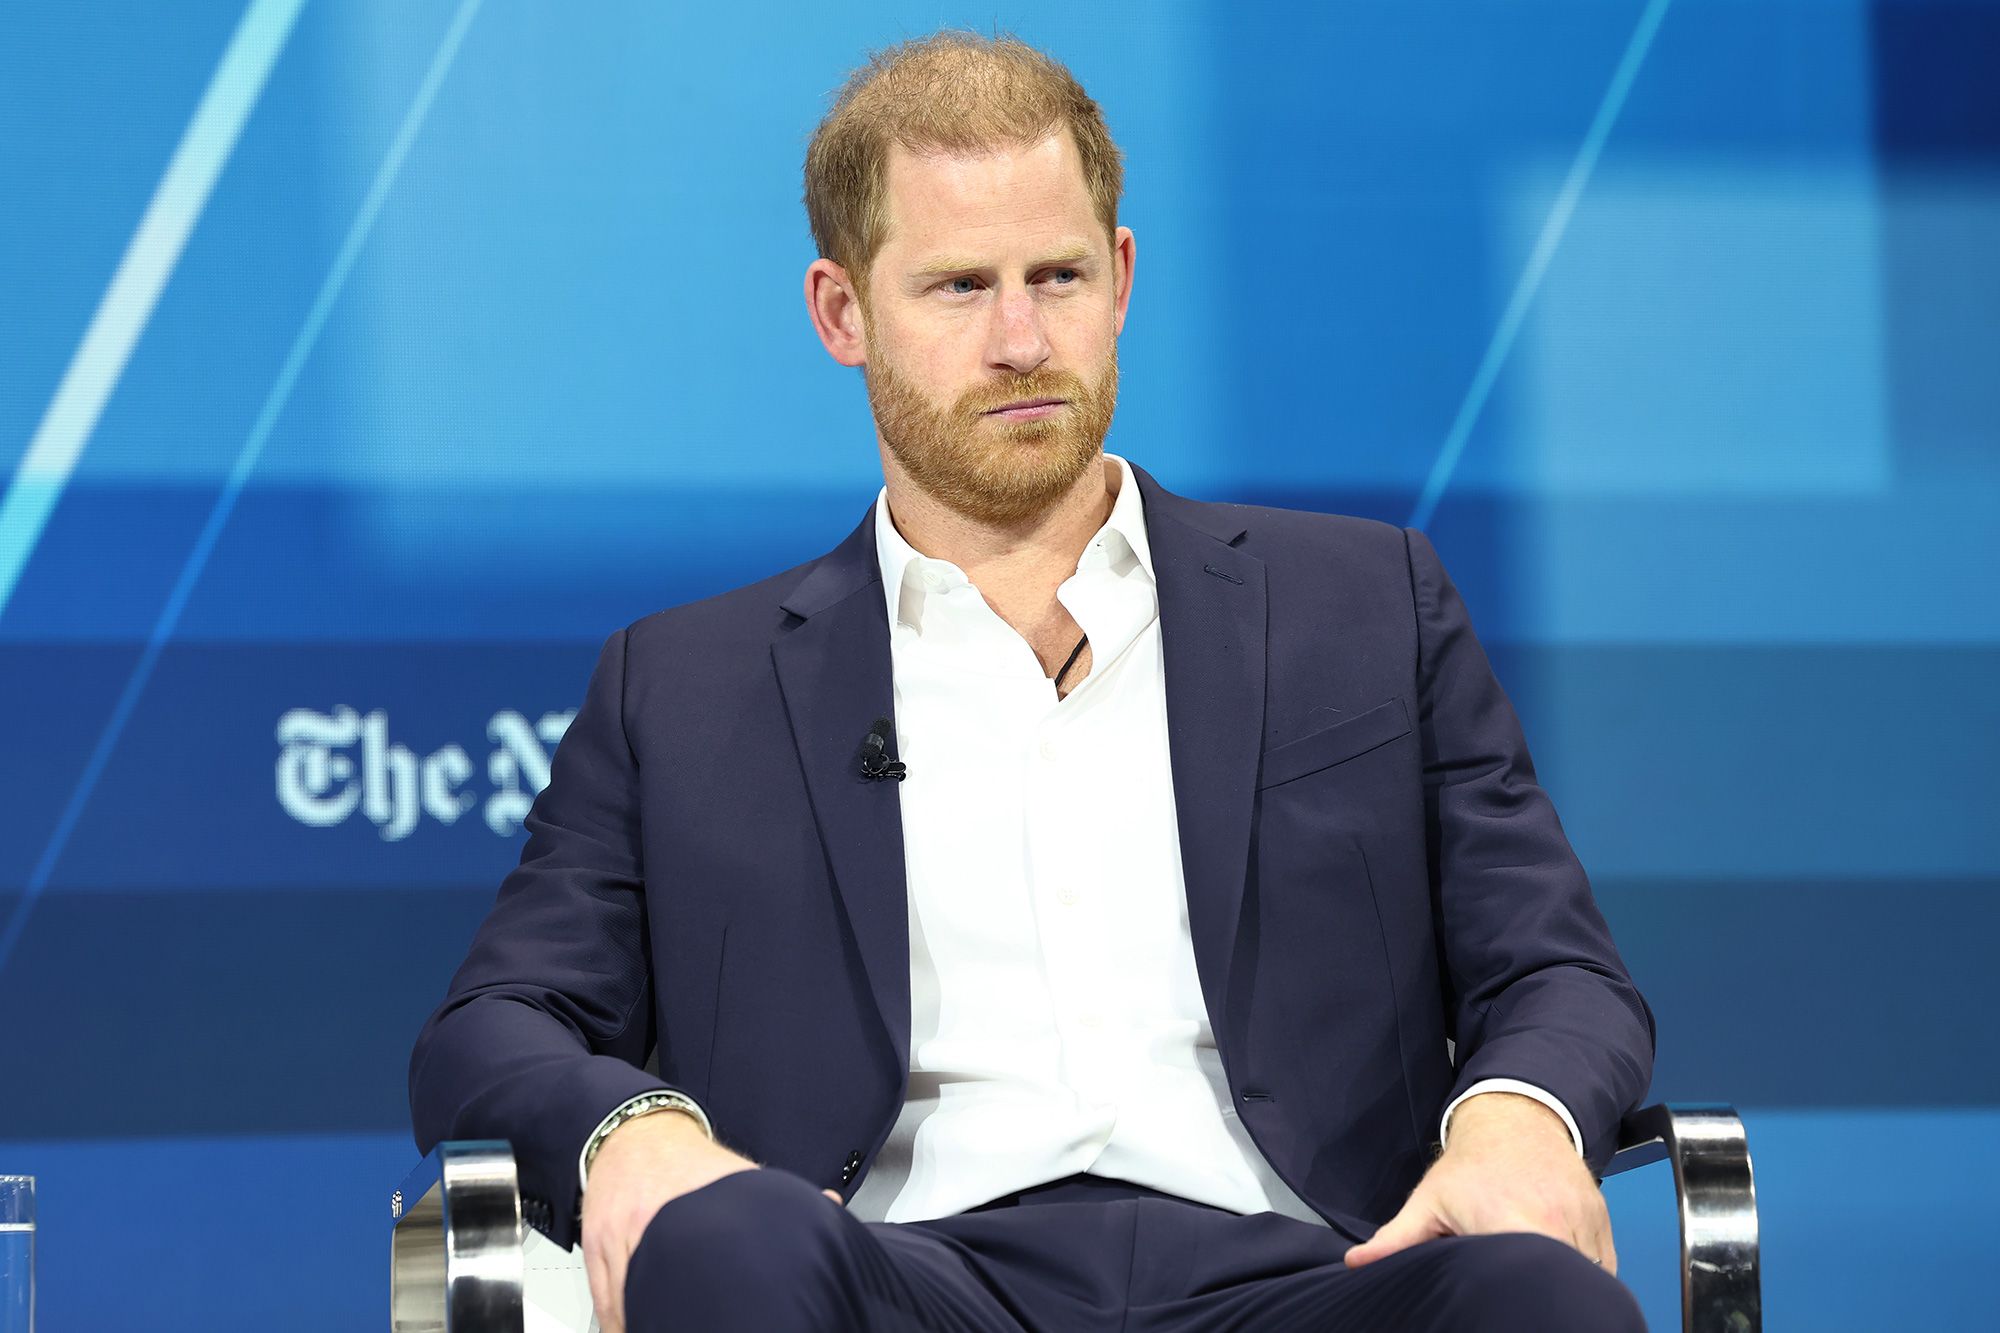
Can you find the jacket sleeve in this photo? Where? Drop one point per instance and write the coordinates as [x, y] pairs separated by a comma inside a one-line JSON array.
[[1536, 990], [544, 1028]]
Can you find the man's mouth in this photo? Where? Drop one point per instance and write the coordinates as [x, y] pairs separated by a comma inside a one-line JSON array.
[[1027, 409]]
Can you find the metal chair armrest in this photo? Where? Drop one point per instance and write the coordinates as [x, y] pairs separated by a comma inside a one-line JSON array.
[[456, 1245], [1720, 1287]]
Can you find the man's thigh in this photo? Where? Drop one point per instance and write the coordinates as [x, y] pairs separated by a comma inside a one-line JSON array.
[[1197, 1270], [765, 1251]]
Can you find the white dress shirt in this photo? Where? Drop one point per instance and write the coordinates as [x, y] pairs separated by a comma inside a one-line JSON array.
[[1057, 1024]]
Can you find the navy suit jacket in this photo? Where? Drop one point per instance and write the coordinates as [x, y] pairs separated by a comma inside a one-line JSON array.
[[1372, 873]]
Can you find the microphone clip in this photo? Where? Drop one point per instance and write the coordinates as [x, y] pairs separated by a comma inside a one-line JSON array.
[[876, 766]]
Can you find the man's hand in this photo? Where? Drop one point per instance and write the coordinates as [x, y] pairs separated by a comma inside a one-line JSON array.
[[642, 1166], [1509, 1166]]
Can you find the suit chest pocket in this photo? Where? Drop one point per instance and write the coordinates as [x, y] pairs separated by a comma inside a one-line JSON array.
[[1344, 740]]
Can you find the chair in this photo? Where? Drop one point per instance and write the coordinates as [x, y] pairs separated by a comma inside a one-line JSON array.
[[462, 1261]]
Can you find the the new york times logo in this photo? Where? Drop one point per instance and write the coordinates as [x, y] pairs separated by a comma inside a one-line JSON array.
[[333, 764]]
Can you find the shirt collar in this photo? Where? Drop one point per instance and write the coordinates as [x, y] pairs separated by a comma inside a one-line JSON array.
[[906, 568]]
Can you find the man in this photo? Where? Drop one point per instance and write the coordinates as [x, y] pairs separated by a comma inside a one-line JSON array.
[[1090, 906]]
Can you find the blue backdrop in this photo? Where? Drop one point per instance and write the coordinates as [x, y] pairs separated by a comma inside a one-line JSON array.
[[363, 363]]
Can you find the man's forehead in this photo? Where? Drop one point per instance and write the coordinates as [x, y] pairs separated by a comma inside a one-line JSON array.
[[946, 208]]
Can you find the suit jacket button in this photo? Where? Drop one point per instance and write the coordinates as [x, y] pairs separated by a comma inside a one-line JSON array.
[[851, 1168]]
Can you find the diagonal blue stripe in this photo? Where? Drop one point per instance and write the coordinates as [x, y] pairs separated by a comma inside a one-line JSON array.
[[1530, 281], [142, 274], [246, 461]]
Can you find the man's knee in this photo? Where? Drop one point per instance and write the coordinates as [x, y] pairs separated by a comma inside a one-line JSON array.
[[758, 1249], [1518, 1280]]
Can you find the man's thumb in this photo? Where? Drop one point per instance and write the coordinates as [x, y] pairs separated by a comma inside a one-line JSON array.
[[1410, 1227]]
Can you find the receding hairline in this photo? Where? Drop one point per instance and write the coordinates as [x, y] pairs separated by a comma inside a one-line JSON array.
[[1072, 249], [1033, 97]]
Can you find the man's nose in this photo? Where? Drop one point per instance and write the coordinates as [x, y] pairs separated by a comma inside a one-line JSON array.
[[1018, 341]]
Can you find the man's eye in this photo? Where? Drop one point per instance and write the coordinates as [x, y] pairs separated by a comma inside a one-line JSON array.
[[1064, 275], [953, 286]]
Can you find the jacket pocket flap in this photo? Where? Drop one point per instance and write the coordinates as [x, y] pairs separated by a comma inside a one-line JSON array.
[[1336, 744]]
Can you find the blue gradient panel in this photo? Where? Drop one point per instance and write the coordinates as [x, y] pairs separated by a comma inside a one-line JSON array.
[[470, 332]]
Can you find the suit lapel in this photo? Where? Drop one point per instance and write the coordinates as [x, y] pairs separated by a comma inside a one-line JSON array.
[[835, 673], [1212, 623]]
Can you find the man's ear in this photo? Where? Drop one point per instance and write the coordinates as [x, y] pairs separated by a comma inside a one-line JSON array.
[[833, 302], [1124, 260]]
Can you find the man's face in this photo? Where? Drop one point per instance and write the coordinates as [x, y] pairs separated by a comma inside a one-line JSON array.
[[992, 326]]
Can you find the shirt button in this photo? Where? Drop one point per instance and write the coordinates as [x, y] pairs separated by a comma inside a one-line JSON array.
[[1067, 895], [1091, 1021], [1048, 748], [933, 580]]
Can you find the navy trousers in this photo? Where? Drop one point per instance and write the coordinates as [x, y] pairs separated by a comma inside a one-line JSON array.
[[765, 1251]]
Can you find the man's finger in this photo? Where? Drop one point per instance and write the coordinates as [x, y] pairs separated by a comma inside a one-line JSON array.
[[617, 1270], [1407, 1228], [609, 1319], [1593, 1238], [1602, 1250], [835, 1197]]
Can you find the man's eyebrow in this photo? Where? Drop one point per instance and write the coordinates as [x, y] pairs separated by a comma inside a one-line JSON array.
[[940, 265]]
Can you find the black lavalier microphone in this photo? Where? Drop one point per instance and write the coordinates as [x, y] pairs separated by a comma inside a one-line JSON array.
[[875, 761]]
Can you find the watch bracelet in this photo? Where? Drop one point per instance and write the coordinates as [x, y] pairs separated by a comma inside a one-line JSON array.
[[648, 1104]]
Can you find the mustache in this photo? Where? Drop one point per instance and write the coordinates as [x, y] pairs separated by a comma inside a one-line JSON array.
[[1038, 384]]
